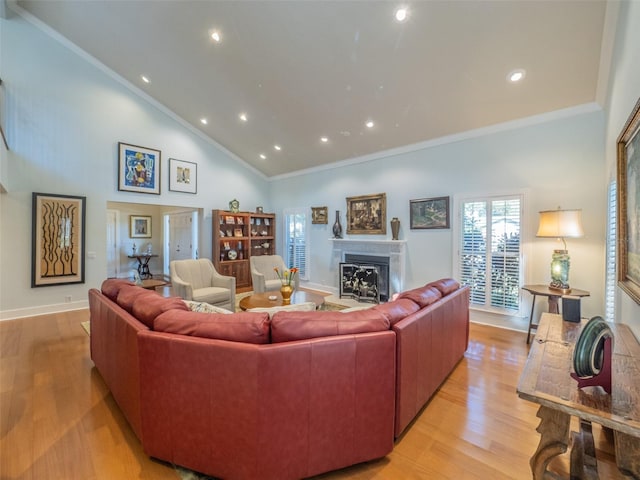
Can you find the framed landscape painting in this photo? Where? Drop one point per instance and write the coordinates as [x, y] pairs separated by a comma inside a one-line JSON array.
[[57, 244], [183, 176], [138, 169], [367, 214], [428, 213], [628, 186]]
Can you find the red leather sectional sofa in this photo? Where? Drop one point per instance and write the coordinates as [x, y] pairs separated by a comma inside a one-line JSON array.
[[242, 396]]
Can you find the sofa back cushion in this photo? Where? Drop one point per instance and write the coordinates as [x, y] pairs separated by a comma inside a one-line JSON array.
[[289, 326], [445, 285], [111, 287], [423, 296], [397, 310], [147, 307], [245, 327], [128, 294]]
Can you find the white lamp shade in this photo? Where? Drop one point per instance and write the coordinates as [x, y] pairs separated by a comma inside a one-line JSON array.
[[560, 224]]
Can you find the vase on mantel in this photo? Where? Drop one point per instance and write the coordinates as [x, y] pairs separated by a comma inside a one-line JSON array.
[[286, 291], [337, 227], [395, 228]]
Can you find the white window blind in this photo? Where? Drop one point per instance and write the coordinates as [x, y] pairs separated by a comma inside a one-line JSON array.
[[490, 260], [610, 287], [296, 251]]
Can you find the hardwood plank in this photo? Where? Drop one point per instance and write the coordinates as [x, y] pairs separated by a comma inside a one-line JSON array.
[[58, 420]]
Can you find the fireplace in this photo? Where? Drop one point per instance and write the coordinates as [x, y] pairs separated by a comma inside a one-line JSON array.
[[393, 251], [365, 277]]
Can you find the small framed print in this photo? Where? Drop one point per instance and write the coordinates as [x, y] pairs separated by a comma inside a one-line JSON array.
[[237, 232], [230, 220], [183, 176], [319, 215], [139, 226], [138, 169]]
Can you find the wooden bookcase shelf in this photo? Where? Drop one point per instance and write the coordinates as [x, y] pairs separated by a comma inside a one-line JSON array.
[[237, 236]]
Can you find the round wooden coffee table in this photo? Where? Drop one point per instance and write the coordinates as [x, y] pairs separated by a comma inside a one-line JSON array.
[[261, 300]]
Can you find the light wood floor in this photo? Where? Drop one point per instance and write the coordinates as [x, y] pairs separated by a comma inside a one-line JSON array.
[[58, 421]]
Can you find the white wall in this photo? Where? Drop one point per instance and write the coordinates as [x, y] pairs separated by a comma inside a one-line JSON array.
[[624, 91], [64, 117], [558, 163]]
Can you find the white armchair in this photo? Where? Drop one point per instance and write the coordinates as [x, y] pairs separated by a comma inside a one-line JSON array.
[[263, 276], [199, 281]]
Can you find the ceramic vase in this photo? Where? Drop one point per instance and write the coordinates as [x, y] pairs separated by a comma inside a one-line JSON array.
[[395, 228], [286, 291], [337, 227]]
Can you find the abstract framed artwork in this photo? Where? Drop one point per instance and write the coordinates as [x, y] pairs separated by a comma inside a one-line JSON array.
[[320, 215], [183, 176], [427, 213], [58, 239], [138, 169], [367, 214], [139, 226], [628, 186]]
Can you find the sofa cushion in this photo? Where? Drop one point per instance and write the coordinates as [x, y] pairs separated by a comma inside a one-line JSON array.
[[204, 307], [147, 307], [397, 310], [248, 327], [128, 294], [423, 296], [445, 285], [288, 326], [294, 307], [111, 286]]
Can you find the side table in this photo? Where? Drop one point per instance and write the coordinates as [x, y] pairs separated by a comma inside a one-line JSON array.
[[553, 296], [143, 264]]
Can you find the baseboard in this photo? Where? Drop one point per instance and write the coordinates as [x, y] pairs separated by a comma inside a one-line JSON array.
[[42, 310]]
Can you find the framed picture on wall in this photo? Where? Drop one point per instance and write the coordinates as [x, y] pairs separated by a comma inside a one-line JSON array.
[[139, 226], [183, 176], [367, 214], [319, 215], [426, 213], [138, 169], [628, 186], [58, 239]]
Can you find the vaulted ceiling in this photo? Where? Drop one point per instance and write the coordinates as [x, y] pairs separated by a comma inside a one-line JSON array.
[[307, 76]]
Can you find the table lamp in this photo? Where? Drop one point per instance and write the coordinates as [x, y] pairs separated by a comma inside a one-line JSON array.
[[560, 224]]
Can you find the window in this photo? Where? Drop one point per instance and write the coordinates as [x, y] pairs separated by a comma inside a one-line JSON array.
[[610, 287], [490, 251], [295, 238]]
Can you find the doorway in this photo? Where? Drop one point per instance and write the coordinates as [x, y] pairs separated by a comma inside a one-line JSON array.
[[180, 237]]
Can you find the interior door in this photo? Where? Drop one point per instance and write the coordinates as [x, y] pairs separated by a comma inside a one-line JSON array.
[[113, 259], [181, 233]]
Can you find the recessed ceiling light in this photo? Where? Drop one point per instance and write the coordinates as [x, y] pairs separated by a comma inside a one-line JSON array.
[[516, 75], [324, 139], [215, 35], [370, 124], [145, 79], [204, 121], [263, 156], [277, 147], [401, 14], [243, 117]]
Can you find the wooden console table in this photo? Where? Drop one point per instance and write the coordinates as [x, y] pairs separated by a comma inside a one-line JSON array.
[[545, 380]]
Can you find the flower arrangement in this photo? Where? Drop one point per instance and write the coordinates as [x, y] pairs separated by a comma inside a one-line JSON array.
[[287, 276]]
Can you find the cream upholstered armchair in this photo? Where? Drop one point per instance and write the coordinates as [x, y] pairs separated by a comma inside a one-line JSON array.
[[264, 277], [199, 281]]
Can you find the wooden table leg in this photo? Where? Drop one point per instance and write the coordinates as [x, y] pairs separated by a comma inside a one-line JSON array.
[[554, 437], [533, 305], [627, 453], [554, 306]]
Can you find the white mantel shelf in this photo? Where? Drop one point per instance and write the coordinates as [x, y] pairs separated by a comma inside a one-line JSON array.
[[395, 250]]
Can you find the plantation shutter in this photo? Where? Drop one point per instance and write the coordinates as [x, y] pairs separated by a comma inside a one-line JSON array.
[[490, 260], [610, 287], [296, 241]]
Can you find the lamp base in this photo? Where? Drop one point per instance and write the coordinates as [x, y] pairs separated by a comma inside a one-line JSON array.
[[561, 288]]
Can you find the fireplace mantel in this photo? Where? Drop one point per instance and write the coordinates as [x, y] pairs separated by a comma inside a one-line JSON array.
[[394, 249]]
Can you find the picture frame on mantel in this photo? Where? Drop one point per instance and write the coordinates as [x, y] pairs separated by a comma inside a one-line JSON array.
[[367, 214], [58, 239], [429, 213], [628, 221], [138, 169]]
